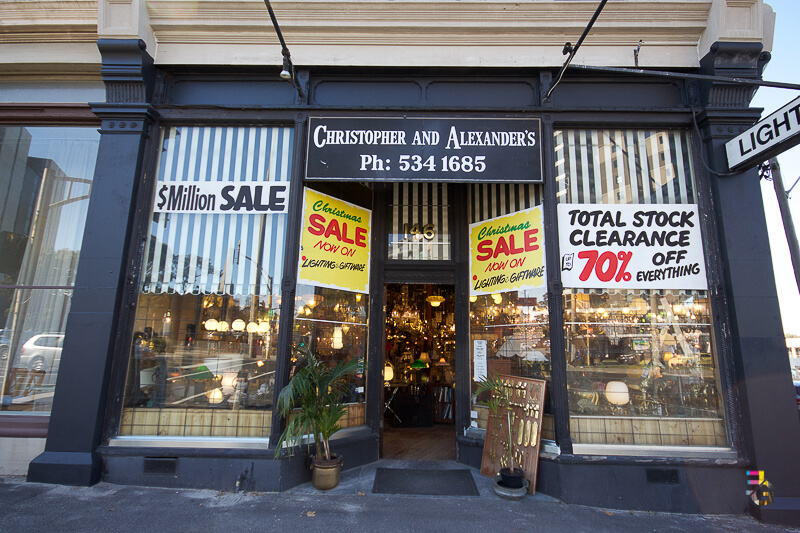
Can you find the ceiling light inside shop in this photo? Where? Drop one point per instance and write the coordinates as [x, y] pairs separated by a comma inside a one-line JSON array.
[[435, 301]]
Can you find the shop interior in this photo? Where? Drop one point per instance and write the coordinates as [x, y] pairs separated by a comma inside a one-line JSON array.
[[419, 373]]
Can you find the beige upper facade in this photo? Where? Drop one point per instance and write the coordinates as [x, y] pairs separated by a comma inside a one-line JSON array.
[[41, 39]]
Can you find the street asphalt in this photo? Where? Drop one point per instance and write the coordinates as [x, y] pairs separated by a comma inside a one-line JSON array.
[[351, 507]]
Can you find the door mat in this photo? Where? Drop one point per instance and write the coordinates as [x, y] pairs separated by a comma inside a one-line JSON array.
[[458, 482]]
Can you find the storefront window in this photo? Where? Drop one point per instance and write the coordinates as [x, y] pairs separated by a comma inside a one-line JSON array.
[[509, 330], [641, 366], [420, 226], [45, 181], [204, 346], [332, 324]]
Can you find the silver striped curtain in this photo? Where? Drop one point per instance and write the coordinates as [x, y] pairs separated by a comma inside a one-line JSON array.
[[219, 254], [491, 200], [624, 167], [419, 204]]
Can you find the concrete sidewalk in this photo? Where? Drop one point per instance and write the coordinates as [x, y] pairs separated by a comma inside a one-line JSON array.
[[351, 508]]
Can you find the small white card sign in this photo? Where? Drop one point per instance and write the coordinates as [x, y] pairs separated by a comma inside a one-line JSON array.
[[480, 359]]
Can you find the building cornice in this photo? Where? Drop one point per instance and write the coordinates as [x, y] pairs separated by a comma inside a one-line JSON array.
[[443, 33]]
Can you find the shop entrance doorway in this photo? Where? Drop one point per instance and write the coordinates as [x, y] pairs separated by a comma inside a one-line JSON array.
[[419, 404]]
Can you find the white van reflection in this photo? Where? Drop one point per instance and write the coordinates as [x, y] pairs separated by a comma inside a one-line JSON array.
[[41, 352]]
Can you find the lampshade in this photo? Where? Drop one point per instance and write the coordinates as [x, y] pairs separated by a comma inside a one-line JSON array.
[[435, 301], [263, 327], [238, 325], [223, 326], [498, 298], [388, 373], [617, 393], [212, 324], [425, 358], [214, 396], [416, 365], [442, 362], [337, 338], [473, 298], [252, 327]]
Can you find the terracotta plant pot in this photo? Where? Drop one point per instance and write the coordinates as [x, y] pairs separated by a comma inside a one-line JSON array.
[[325, 474], [512, 479]]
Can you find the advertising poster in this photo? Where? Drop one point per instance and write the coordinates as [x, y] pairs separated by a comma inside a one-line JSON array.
[[222, 197], [507, 253], [334, 243], [631, 246]]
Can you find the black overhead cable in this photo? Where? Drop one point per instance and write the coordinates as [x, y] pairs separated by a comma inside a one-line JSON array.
[[288, 66], [687, 76], [569, 49]]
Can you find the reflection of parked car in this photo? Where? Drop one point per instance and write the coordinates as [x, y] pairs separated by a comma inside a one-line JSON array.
[[628, 358], [41, 352]]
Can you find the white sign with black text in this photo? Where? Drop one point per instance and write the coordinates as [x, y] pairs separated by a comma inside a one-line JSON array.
[[639, 246], [767, 137], [222, 197]]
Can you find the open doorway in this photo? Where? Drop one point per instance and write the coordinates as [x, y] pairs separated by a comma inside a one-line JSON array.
[[420, 373]]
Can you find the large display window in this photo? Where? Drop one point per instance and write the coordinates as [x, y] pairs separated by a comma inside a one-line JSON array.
[[641, 363], [509, 329], [203, 357], [45, 182]]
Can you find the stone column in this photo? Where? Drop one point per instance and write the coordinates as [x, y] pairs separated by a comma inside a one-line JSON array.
[[82, 389]]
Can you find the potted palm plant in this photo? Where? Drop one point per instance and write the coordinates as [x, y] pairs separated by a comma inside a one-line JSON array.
[[511, 481], [313, 403]]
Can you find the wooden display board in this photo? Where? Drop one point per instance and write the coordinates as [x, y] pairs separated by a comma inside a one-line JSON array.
[[527, 405]]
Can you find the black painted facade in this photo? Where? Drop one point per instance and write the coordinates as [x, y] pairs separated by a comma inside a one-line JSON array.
[[141, 98]]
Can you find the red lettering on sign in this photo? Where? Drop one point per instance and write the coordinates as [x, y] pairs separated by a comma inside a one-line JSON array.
[[316, 222]]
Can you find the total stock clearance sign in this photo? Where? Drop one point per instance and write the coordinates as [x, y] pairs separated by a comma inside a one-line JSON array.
[[766, 138]]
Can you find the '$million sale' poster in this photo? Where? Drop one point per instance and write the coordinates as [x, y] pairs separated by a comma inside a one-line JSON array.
[[334, 243], [507, 253]]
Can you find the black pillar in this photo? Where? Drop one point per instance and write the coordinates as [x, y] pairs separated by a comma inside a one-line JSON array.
[[762, 387], [82, 389]]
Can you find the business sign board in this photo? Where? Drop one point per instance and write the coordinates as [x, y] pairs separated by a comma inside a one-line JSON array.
[[507, 253], [631, 246], [767, 138], [222, 197], [334, 243], [424, 149]]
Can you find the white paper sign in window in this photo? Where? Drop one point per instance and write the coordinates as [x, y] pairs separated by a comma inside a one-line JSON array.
[[642, 246]]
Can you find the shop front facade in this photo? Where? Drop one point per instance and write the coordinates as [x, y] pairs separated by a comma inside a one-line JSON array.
[[436, 222]]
